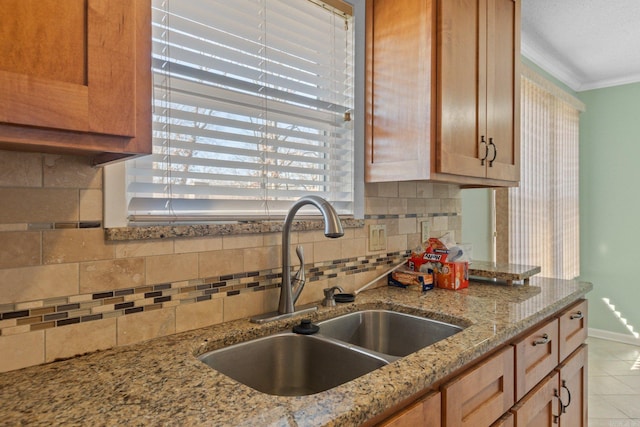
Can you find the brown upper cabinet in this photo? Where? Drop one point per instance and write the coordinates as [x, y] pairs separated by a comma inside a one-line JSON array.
[[443, 91], [75, 77]]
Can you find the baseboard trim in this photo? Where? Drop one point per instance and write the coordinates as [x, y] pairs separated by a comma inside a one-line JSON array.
[[613, 336]]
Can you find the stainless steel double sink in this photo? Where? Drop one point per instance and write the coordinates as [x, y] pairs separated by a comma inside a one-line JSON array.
[[345, 348]]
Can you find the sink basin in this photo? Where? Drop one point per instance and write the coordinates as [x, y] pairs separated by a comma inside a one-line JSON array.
[[289, 364], [387, 332], [345, 348]]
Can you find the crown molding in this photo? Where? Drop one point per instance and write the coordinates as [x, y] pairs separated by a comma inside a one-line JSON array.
[[557, 69], [550, 64], [600, 84]]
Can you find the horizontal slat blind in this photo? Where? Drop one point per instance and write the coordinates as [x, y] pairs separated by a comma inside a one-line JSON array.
[[544, 210], [252, 106]]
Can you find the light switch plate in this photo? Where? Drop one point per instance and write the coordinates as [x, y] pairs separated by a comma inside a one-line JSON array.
[[424, 227], [377, 237]]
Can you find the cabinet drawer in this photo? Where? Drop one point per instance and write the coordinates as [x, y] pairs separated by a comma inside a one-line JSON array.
[[482, 395], [541, 406], [573, 328], [507, 420], [424, 412], [536, 355]]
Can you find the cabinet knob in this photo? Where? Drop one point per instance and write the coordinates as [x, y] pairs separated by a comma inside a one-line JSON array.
[[577, 315]]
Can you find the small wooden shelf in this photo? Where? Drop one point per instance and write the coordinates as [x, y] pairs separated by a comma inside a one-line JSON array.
[[508, 273]]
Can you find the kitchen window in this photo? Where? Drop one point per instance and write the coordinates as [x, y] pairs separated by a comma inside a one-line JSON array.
[[254, 106]]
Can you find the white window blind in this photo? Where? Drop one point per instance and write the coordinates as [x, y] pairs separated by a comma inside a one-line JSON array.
[[252, 109], [544, 216]]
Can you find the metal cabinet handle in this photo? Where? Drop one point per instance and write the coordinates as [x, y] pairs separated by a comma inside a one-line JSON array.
[[564, 386], [544, 340], [577, 315], [495, 152], [556, 418], [486, 150]]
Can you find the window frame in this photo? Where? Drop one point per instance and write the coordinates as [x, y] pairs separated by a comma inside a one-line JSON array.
[[115, 196]]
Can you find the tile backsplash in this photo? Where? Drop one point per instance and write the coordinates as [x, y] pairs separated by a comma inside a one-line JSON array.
[[66, 290]]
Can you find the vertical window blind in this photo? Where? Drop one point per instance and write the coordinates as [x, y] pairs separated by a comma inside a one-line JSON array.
[[252, 109], [544, 216]]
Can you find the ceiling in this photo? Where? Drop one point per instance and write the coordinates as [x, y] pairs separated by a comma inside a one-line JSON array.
[[586, 44]]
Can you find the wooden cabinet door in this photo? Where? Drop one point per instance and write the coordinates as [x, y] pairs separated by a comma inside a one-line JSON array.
[[573, 389], [400, 57], [573, 328], [479, 88], [541, 407], [58, 62], [428, 111], [78, 66], [461, 88], [503, 89], [425, 412], [481, 395], [536, 355]]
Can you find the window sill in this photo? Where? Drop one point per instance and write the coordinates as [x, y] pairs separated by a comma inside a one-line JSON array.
[[150, 232]]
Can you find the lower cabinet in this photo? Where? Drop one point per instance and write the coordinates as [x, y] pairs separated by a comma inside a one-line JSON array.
[[560, 399], [573, 389], [573, 328], [481, 395], [541, 407], [424, 412], [536, 356], [506, 420], [539, 379]]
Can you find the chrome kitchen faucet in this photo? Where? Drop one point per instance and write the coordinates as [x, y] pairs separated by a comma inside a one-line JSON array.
[[288, 294]]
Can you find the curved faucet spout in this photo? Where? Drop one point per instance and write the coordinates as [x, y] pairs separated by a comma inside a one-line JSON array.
[[332, 229]]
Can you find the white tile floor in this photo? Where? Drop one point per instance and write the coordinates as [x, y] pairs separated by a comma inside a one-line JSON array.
[[614, 384]]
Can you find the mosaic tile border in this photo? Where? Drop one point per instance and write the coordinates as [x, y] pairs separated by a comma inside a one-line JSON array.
[[63, 225], [46, 226], [55, 312]]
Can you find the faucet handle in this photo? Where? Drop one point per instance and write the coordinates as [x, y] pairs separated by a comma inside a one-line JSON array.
[[300, 253], [300, 277]]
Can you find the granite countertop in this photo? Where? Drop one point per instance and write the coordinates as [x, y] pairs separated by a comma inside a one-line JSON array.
[[160, 382], [503, 271]]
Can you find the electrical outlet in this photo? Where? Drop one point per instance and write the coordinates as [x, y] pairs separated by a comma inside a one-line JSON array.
[[377, 237], [424, 227]]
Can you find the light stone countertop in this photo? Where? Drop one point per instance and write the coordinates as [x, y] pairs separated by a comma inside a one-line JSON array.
[[160, 382]]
